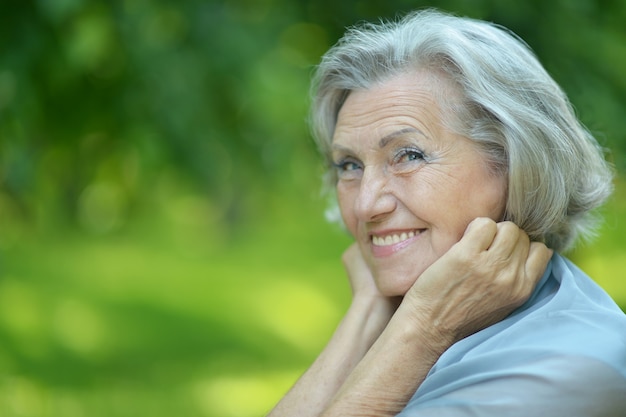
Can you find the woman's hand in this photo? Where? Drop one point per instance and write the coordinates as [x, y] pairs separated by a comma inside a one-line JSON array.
[[365, 320], [376, 362], [491, 271], [362, 282], [373, 308], [478, 282]]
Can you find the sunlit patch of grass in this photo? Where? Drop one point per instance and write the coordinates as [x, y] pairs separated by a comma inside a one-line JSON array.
[[22, 397], [81, 328], [245, 395], [21, 309], [295, 311]]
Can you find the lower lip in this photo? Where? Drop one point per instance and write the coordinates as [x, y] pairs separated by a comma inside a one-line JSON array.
[[382, 251]]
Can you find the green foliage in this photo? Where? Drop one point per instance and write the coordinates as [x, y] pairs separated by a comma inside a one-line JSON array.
[[101, 95]]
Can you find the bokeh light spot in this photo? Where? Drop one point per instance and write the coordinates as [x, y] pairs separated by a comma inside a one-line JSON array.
[[222, 396], [80, 328], [296, 312], [101, 207]]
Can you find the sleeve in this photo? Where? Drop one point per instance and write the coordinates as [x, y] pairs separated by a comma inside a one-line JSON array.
[[550, 385]]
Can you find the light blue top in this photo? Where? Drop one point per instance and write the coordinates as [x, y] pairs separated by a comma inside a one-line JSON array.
[[563, 353]]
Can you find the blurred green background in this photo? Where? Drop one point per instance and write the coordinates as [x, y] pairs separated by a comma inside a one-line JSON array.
[[163, 249]]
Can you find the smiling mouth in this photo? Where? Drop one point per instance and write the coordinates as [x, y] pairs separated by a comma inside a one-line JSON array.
[[395, 238]]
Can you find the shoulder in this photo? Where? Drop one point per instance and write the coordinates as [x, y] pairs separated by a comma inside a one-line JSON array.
[[567, 314], [568, 341], [554, 385]]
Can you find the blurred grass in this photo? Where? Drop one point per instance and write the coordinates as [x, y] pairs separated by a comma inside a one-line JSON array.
[[175, 317], [171, 317]]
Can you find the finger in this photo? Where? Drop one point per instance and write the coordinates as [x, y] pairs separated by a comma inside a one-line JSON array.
[[521, 250], [350, 254], [510, 242], [479, 234], [537, 260]]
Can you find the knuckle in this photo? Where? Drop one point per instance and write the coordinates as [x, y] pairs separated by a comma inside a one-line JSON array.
[[508, 227], [482, 223], [539, 246]]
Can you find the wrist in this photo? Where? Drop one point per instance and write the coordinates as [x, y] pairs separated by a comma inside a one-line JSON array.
[[393, 368], [368, 315], [417, 327]]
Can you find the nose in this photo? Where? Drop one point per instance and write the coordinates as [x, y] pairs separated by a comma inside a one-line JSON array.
[[375, 199]]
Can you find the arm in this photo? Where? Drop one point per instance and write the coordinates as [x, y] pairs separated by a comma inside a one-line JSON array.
[[492, 270], [365, 319], [484, 277]]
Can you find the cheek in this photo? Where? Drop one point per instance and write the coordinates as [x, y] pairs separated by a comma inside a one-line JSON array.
[[490, 199], [470, 195], [444, 238]]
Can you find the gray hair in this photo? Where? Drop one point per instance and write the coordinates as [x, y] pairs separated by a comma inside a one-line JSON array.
[[509, 106]]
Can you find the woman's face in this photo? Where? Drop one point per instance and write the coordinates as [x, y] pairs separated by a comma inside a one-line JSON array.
[[407, 186]]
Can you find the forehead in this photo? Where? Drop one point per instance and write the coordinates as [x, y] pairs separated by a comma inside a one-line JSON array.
[[406, 100]]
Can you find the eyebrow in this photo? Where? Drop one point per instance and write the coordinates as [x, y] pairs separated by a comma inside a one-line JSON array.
[[386, 139], [390, 137]]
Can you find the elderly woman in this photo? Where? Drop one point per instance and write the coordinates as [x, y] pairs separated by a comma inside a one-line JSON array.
[[462, 172]]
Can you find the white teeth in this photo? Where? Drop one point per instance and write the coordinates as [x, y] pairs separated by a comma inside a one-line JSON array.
[[392, 239]]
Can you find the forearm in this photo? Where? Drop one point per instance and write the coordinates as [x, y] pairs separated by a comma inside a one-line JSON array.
[[458, 295], [390, 373], [363, 323]]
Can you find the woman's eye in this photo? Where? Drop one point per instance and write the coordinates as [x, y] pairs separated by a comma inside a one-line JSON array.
[[348, 169], [410, 155], [347, 165]]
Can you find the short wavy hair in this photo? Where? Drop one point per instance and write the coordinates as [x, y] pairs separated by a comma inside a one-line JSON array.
[[509, 106]]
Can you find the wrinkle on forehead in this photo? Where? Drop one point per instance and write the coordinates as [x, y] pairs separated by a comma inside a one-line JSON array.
[[398, 97]]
